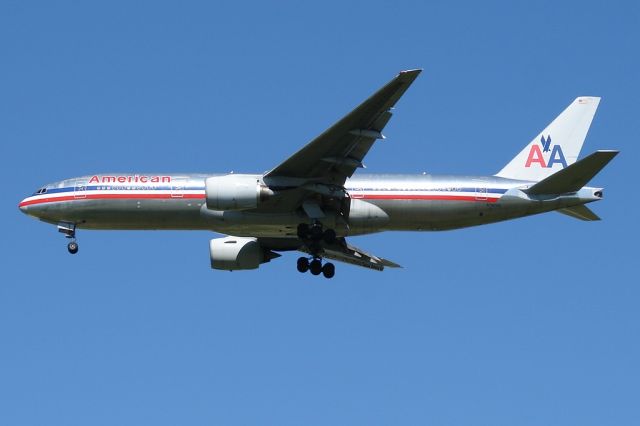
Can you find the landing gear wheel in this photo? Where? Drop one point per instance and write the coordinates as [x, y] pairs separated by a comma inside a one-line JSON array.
[[328, 270], [315, 266], [72, 247], [303, 264], [329, 236]]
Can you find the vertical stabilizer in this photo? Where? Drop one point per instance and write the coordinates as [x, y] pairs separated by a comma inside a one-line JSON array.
[[557, 146]]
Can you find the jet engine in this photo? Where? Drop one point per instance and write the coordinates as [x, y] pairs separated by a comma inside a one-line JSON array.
[[235, 253], [235, 192]]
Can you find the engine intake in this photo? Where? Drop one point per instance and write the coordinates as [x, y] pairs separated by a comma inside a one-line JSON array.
[[235, 192], [237, 253]]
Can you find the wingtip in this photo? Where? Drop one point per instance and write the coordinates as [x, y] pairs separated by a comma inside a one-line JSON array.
[[408, 76], [611, 152], [410, 73], [390, 264]]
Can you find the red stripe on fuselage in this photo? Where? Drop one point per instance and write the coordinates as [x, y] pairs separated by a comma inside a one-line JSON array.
[[201, 196], [109, 197]]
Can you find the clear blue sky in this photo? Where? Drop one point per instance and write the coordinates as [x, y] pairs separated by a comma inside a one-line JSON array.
[[529, 322]]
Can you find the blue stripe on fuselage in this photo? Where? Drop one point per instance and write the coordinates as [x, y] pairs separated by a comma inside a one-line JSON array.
[[121, 187]]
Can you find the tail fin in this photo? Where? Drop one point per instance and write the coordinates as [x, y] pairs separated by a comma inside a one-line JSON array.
[[557, 146]]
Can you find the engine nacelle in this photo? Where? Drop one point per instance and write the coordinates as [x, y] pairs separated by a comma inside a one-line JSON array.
[[233, 253], [366, 217], [235, 192]]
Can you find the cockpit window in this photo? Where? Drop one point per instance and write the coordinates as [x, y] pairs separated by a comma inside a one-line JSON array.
[[41, 191]]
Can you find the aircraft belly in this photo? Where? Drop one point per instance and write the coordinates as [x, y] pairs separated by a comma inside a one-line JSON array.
[[435, 215], [421, 214], [129, 214], [264, 225]]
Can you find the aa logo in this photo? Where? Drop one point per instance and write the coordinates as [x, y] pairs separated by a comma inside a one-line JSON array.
[[537, 156]]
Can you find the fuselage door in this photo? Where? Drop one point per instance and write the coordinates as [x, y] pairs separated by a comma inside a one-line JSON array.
[[80, 189], [356, 193], [178, 185], [481, 190]]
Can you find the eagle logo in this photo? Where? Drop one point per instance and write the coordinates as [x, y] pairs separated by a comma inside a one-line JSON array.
[[546, 143]]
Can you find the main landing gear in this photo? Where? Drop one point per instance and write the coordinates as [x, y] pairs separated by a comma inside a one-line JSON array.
[[316, 233], [69, 229], [313, 236], [316, 267]]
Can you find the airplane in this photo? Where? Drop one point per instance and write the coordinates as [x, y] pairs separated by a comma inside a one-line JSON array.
[[312, 202]]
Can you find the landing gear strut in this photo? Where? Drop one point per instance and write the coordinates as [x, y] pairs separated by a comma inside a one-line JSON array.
[[313, 236], [69, 229], [316, 267]]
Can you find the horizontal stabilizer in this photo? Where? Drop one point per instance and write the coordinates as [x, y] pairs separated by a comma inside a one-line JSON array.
[[575, 176], [581, 212]]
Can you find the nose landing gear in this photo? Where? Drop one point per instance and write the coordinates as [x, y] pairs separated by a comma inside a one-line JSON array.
[[72, 247], [69, 229]]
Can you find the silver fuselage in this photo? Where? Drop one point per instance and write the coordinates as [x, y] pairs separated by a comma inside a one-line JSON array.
[[376, 203]]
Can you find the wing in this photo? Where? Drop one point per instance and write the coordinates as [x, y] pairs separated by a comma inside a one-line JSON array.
[[335, 155], [341, 251]]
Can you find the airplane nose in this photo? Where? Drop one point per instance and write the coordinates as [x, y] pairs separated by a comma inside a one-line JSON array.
[[23, 206]]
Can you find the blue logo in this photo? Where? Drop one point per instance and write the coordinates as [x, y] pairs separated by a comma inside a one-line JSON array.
[[536, 156]]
